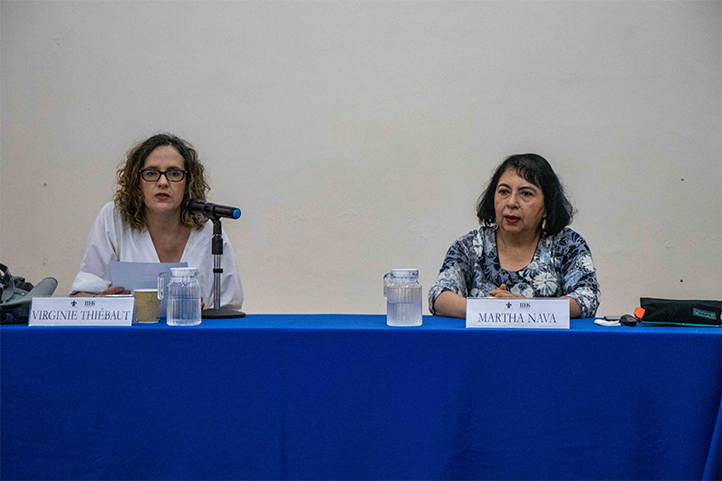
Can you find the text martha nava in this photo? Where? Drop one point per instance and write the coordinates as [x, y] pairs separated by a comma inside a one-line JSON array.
[[518, 317], [517, 313]]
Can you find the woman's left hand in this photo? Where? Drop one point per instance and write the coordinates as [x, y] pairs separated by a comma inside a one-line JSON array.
[[502, 291]]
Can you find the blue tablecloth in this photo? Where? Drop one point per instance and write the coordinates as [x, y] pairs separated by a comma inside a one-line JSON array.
[[347, 397]]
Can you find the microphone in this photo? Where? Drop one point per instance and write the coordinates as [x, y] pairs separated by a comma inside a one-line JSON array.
[[209, 209]]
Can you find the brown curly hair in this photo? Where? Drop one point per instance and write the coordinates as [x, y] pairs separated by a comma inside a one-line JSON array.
[[129, 194]]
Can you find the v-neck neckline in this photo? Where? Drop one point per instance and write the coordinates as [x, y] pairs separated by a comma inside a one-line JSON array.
[[189, 244], [497, 257]]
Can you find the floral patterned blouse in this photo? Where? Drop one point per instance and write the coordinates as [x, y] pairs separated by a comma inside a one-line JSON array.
[[562, 266]]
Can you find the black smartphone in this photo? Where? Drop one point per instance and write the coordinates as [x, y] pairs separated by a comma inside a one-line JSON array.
[[612, 318]]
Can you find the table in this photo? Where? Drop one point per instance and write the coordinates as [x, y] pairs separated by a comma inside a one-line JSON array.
[[347, 397]]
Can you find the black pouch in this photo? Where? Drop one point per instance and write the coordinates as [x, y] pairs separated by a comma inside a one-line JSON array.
[[16, 296], [676, 312]]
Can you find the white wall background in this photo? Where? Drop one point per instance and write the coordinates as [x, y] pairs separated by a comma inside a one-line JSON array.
[[356, 136]]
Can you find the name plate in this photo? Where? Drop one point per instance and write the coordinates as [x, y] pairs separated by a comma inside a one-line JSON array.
[[537, 313], [82, 311]]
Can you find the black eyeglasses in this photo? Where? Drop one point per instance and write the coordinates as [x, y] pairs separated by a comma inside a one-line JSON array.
[[152, 175]]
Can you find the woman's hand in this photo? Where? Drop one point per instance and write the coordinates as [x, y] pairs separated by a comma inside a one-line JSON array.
[[111, 291], [450, 304], [114, 291], [502, 291], [574, 309]]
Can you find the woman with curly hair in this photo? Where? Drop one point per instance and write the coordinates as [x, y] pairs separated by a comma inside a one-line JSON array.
[[523, 247], [145, 223]]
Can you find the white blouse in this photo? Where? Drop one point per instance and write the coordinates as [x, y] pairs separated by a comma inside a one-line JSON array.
[[111, 239]]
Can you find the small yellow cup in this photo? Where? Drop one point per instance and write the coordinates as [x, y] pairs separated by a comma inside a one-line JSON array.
[[147, 305]]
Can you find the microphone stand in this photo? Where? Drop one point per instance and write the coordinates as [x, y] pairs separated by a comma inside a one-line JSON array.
[[218, 312]]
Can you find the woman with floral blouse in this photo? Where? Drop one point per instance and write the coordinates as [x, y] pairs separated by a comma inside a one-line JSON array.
[[523, 247]]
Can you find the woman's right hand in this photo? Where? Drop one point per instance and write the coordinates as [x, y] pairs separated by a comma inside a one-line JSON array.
[[111, 291], [450, 304]]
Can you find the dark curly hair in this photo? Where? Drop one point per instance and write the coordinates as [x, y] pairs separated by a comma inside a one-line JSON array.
[[534, 169], [129, 194]]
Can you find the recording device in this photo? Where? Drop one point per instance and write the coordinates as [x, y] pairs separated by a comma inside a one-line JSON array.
[[209, 209], [626, 319]]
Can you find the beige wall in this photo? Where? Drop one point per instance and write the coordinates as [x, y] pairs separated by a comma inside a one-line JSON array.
[[356, 136]]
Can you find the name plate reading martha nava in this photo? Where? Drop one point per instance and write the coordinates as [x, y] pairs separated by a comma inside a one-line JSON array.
[[82, 311], [537, 313]]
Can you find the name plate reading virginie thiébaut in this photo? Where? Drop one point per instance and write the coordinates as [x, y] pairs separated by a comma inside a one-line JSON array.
[[536, 313], [82, 311]]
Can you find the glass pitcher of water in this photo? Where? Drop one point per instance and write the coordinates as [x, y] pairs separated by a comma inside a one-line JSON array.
[[403, 297], [183, 296]]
